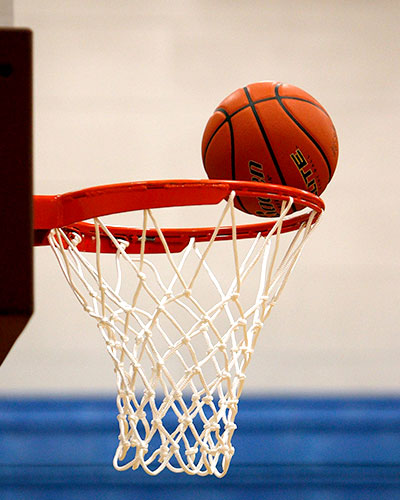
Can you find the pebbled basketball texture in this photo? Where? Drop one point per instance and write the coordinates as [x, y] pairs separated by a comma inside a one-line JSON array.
[[270, 132]]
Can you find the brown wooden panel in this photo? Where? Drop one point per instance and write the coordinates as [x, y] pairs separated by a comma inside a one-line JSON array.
[[16, 266]]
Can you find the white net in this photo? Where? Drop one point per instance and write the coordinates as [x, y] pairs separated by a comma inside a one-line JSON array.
[[180, 330]]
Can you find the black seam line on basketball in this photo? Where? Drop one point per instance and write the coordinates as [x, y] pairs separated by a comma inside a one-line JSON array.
[[278, 97], [228, 116], [266, 99], [293, 98], [237, 198], [265, 137], [222, 110], [233, 160], [229, 122], [233, 173]]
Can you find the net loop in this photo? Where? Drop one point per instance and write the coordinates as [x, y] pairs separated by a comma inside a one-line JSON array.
[[180, 331]]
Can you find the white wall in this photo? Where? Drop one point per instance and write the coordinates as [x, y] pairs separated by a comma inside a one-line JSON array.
[[123, 90]]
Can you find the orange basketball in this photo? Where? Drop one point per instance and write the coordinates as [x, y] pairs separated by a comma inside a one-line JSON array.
[[270, 132]]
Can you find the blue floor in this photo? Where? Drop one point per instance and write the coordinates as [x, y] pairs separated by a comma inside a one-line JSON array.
[[286, 448]]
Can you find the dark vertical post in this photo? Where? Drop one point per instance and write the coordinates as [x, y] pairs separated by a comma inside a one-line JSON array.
[[16, 254]]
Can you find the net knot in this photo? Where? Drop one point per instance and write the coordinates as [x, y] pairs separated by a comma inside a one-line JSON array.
[[118, 366], [205, 449], [241, 322], [220, 346], [207, 400], [266, 298], [164, 452], [124, 338], [194, 370], [87, 309], [212, 426], [185, 420], [127, 308], [235, 296], [136, 365], [142, 447], [226, 449], [224, 375], [176, 394], [195, 398], [232, 403], [185, 340], [174, 447], [124, 443], [149, 393], [133, 420], [158, 366], [230, 426], [157, 423], [140, 414], [187, 293], [142, 276], [102, 322], [192, 452]]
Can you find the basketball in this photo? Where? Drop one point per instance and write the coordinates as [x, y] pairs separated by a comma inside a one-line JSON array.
[[270, 132]]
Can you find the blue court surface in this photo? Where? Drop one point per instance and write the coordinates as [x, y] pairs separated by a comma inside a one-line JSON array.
[[286, 448]]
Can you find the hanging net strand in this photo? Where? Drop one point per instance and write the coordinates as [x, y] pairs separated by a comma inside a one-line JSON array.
[[180, 334]]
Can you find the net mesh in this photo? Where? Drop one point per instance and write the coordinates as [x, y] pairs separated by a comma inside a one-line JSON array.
[[180, 330]]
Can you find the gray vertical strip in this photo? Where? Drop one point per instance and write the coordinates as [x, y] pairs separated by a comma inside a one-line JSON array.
[[6, 13]]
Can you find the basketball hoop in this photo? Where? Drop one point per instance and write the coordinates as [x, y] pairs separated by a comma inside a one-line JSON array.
[[179, 330]]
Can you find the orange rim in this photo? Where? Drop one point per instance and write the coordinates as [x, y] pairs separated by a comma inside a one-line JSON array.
[[68, 210]]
